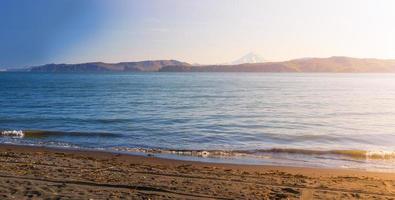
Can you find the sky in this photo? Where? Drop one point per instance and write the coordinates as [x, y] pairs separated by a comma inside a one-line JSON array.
[[34, 32]]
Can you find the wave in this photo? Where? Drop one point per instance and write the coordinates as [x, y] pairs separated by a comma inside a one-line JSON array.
[[13, 133], [265, 153], [43, 134], [365, 154], [257, 153]]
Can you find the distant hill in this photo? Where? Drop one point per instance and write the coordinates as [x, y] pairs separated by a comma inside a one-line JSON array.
[[308, 65], [142, 66], [329, 65]]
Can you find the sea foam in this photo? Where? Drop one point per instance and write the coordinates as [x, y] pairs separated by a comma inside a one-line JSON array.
[[13, 133]]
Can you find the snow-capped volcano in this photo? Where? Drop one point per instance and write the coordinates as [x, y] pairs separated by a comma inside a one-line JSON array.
[[249, 58]]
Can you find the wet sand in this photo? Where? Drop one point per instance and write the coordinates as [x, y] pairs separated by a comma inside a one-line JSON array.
[[44, 173]]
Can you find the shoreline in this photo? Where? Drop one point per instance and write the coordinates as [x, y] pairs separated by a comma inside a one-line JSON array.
[[158, 158], [67, 173], [361, 160]]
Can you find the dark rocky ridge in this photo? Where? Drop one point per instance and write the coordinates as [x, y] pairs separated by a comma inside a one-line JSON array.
[[142, 66]]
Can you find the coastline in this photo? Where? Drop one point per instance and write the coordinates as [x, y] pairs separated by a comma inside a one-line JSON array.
[[353, 159], [41, 172]]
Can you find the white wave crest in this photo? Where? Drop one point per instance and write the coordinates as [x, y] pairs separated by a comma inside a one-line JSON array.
[[380, 154], [13, 133]]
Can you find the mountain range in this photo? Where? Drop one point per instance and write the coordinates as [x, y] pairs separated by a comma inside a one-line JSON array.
[[312, 65], [142, 66]]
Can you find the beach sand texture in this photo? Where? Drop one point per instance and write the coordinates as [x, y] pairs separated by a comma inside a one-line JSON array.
[[43, 173]]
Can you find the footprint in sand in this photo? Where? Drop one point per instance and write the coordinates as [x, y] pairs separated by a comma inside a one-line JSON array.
[[389, 187], [307, 194]]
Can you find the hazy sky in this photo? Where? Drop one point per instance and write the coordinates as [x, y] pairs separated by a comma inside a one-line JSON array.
[[202, 31]]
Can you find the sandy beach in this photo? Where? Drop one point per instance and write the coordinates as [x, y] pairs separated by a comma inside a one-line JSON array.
[[45, 173]]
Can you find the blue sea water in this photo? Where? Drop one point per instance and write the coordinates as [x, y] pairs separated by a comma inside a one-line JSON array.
[[250, 118]]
